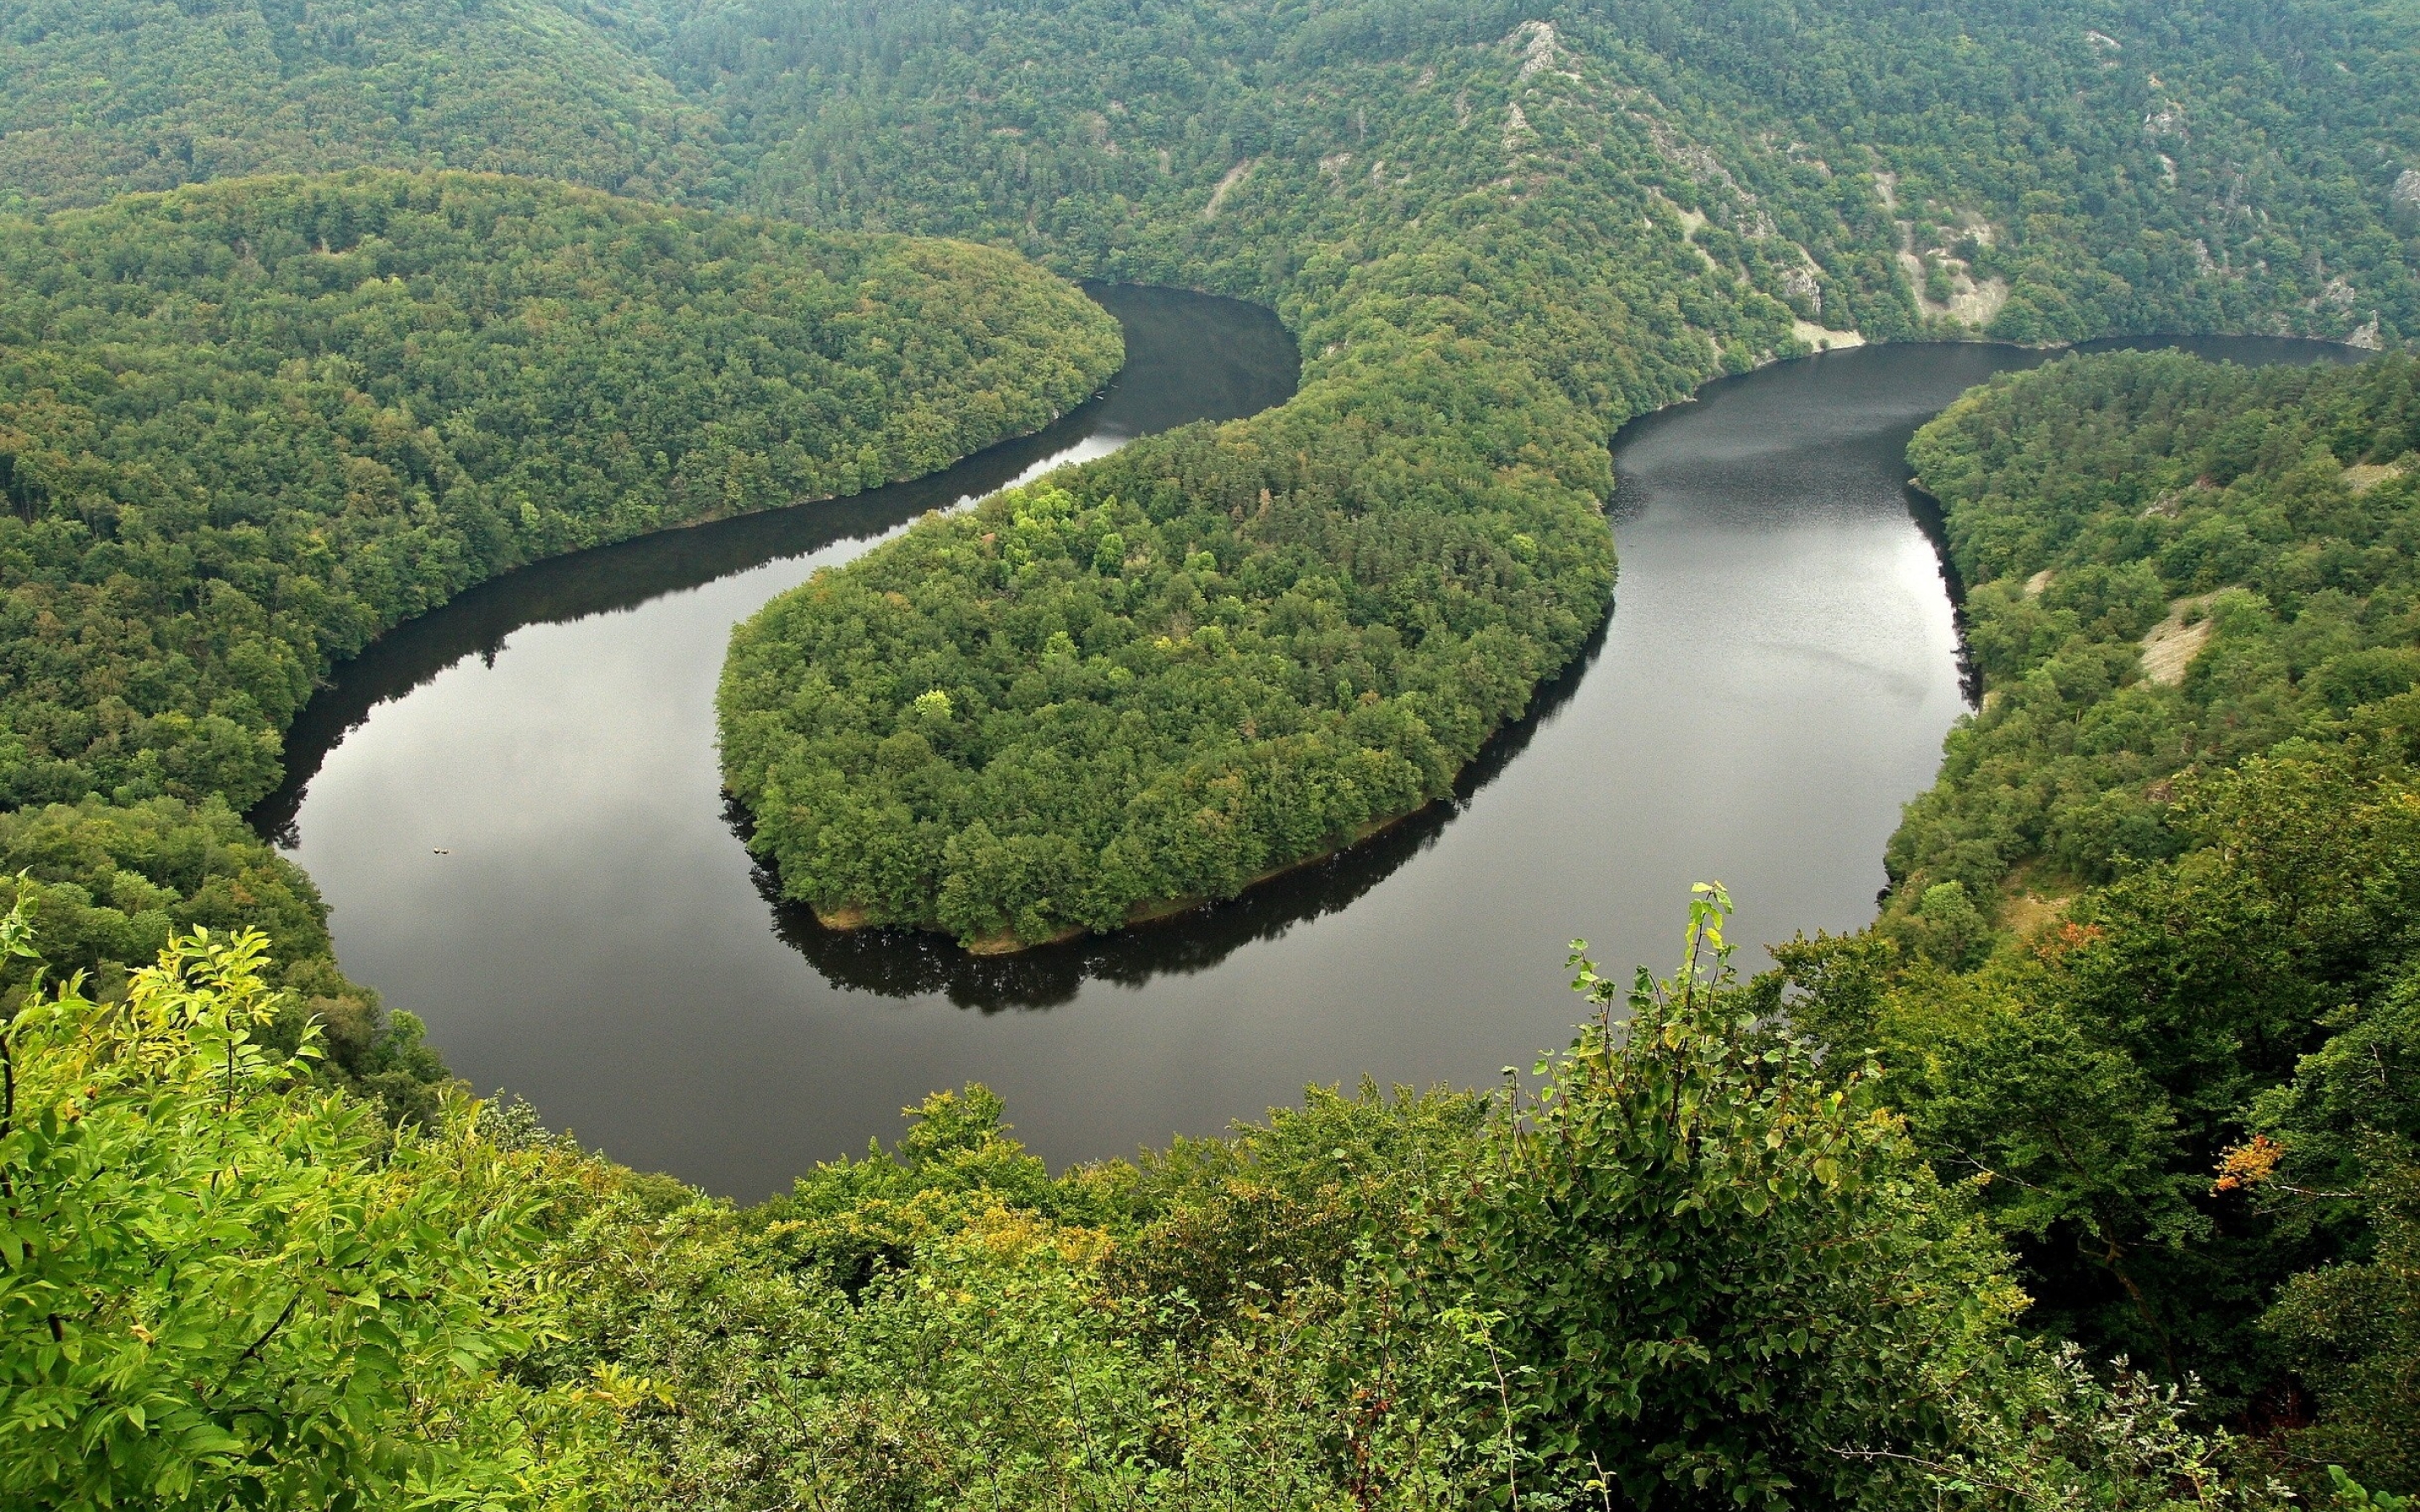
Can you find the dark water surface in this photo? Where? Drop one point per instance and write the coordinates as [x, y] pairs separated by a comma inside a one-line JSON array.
[[1775, 684]]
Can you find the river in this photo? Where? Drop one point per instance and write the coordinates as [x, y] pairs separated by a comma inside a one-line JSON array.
[[514, 808]]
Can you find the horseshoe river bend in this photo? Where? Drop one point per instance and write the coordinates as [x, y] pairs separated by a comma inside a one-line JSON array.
[[514, 806]]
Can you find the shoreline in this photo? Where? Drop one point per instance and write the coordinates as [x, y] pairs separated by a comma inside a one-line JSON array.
[[850, 919]]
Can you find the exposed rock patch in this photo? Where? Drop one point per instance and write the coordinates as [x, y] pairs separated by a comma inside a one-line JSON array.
[[2368, 475], [1226, 186], [1824, 340], [1540, 46], [2170, 646], [1516, 125], [1973, 303]]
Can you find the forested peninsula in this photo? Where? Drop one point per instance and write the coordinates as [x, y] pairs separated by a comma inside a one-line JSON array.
[[1496, 245], [247, 427]]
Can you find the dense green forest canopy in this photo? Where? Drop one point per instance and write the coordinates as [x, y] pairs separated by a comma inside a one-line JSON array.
[[2134, 1038], [1069, 707], [2170, 564], [98, 96], [1499, 232], [247, 427], [1499, 236], [2100, 166], [1697, 1271], [2178, 1075], [2050, 169], [2187, 1100]]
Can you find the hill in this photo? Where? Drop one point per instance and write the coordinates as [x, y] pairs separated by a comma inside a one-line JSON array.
[[1497, 237], [245, 426], [1866, 1231], [96, 99]]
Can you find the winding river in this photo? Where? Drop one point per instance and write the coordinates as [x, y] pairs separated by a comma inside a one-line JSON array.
[[513, 804]]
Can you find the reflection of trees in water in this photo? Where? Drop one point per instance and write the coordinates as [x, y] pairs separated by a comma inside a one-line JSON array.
[[609, 578], [1934, 526], [560, 591], [905, 963], [1190, 357], [910, 963]]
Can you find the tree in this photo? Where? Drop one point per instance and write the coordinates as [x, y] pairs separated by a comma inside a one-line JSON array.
[[220, 1285]]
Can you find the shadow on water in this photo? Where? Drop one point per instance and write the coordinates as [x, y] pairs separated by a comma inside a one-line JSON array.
[[903, 964], [1925, 511], [526, 843], [909, 964], [1179, 369]]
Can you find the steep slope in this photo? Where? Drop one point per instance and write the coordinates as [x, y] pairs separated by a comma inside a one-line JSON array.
[[2051, 169], [2173, 564]]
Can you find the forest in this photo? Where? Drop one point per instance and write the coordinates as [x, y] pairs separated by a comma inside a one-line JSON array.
[[1695, 1266], [2084, 1177], [1511, 242], [245, 426], [2257, 521], [2146, 978]]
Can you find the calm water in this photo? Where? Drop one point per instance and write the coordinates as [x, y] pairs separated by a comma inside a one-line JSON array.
[[1775, 683]]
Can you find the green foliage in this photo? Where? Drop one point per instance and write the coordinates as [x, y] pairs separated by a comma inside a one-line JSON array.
[[2095, 499], [1064, 708], [1485, 229], [2344, 1135], [1713, 1269], [99, 98], [2055, 168], [2087, 164], [2059, 1436], [2350, 1494], [2241, 1011], [1691, 1271], [245, 427], [2239, 1005], [242, 430], [1946, 928], [108, 887], [213, 1290]]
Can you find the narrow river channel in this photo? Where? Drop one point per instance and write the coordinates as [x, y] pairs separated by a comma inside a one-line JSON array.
[[514, 806]]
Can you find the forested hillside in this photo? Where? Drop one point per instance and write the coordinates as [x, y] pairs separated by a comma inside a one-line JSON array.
[[1699, 1270], [247, 427], [2064, 168], [111, 884], [98, 96], [2170, 564], [2050, 169], [2125, 1067], [2145, 981], [1498, 236]]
